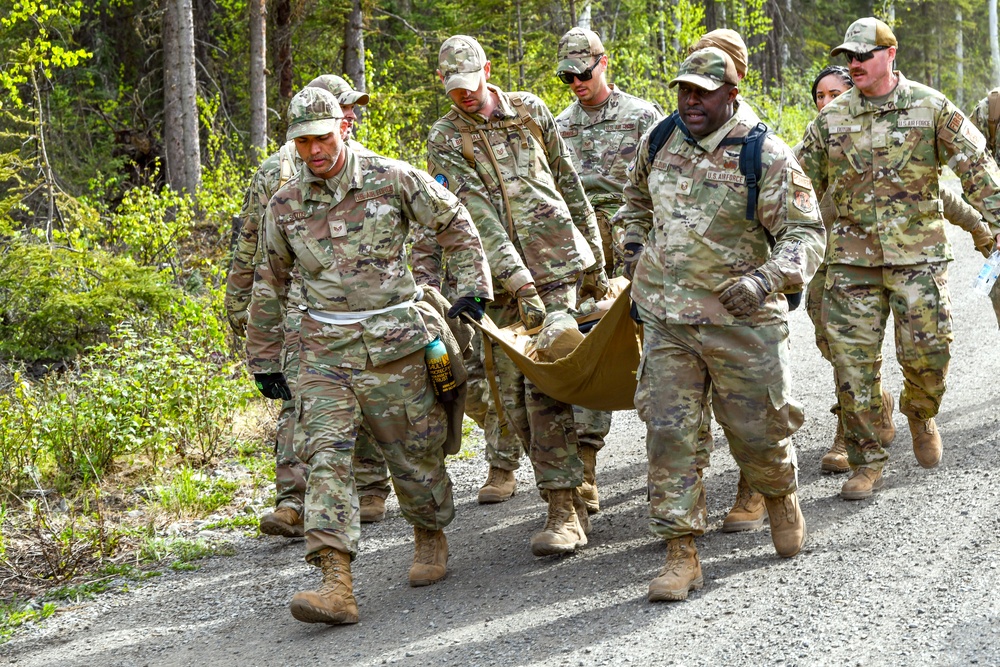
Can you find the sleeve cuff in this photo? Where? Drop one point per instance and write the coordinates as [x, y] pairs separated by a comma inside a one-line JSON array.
[[518, 280]]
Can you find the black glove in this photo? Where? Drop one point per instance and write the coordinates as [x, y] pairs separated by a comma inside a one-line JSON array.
[[630, 257], [633, 312], [273, 385], [743, 296], [470, 305], [794, 300]]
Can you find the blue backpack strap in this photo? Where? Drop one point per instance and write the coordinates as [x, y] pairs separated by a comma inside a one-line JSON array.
[[751, 148]]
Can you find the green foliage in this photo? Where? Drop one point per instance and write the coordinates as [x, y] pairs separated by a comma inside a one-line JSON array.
[[15, 613], [245, 522], [191, 493], [54, 302], [182, 551]]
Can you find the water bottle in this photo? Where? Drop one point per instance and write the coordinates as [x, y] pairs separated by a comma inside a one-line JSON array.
[[988, 274], [439, 367]]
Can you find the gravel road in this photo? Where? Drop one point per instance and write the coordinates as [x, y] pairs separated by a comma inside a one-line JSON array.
[[904, 578]]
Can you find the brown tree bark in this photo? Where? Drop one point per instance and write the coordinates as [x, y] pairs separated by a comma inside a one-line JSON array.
[[283, 37], [354, 46]]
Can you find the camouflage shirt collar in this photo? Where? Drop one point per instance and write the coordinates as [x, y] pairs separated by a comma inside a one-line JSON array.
[[505, 109], [899, 98], [333, 190], [600, 113], [712, 141]]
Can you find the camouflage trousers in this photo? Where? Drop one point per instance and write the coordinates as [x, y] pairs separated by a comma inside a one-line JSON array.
[[397, 405], [534, 418], [857, 303], [747, 372], [995, 298], [503, 446], [289, 471]]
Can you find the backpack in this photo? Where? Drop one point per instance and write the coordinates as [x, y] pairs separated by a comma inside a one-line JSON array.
[[994, 120], [751, 147]]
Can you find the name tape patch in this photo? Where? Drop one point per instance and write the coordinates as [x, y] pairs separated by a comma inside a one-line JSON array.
[[801, 180], [914, 122], [619, 127], [840, 129], [373, 194], [726, 177]]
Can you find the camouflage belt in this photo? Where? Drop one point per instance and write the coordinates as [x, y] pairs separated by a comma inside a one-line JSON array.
[[356, 316]]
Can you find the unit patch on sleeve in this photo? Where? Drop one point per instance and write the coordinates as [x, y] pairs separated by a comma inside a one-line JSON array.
[[442, 180]]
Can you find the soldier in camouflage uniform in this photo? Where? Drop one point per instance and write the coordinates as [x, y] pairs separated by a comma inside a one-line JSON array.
[[601, 129], [707, 290], [502, 155], [369, 468], [343, 222], [990, 127], [879, 149]]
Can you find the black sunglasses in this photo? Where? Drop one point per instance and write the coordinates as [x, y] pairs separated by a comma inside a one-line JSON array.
[[862, 57], [585, 75]]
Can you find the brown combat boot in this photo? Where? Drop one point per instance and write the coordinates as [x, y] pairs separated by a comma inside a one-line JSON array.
[[682, 572], [563, 533], [588, 490], [372, 508], [835, 460], [926, 442], [748, 509], [283, 521], [430, 557], [788, 526], [334, 601], [500, 486], [582, 511], [884, 427], [862, 484]]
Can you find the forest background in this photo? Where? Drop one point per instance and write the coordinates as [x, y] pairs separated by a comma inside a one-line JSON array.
[[129, 130]]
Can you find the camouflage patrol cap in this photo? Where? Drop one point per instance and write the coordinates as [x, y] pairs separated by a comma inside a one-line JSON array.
[[313, 112], [340, 89], [707, 68], [577, 50], [460, 60], [730, 42], [864, 35]]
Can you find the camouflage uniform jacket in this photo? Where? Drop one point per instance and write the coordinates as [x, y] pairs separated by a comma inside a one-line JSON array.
[[347, 237], [981, 117], [273, 172], [603, 142], [550, 226], [882, 166], [689, 209]]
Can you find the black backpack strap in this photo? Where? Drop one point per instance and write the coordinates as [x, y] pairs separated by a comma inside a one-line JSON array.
[[752, 147], [661, 134]]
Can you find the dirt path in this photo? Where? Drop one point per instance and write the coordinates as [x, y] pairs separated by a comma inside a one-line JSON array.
[[906, 578]]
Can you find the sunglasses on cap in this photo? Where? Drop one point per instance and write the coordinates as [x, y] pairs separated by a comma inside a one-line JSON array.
[[585, 75], [851, 56]]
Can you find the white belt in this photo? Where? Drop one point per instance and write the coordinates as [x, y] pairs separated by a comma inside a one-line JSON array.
[[356, 316]]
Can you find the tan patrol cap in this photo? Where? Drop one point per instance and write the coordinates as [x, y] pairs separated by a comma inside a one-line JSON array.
[[460, 60], [707, 68], [577, 50], [342, 90], [865, 35], [730, 42]]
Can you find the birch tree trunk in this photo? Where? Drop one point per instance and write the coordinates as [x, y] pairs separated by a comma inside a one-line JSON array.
[[354, 46], [584, 21], [189, 95], [258, 79], [173, 127], [994, 43], [959, 62]]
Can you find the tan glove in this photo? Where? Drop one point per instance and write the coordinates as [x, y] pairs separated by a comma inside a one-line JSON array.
[[984, 240], [530, 306], [595, 284], [744, 296]]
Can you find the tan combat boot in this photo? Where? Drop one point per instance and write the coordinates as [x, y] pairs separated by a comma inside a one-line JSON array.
[[682, 572], [884, 427], [283, 521], [748, 510], [835, 460], [562, 533], [788, 526], [582, 511], [588, 490], [926, 442], [372, 508], [430, 557], [862, 484], [334, 601], [500, 486]]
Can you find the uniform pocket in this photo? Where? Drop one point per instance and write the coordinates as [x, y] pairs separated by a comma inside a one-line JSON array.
[[308, 252]]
